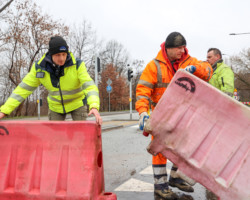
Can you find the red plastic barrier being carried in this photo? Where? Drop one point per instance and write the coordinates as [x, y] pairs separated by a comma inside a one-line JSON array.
[[206, 133], [51, 161]]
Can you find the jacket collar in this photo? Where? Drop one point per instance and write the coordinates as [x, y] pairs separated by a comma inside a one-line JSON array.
[[217, 64], [47, 61]]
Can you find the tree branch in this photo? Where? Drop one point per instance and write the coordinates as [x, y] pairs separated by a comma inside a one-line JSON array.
[[5, 6]]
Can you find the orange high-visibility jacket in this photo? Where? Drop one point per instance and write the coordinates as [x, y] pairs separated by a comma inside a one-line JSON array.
[[158, 74]]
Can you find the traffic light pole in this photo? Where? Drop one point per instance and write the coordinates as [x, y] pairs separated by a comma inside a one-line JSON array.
[[38, 101], [130, 76], [130, 97], [96, 71], [109, 101]]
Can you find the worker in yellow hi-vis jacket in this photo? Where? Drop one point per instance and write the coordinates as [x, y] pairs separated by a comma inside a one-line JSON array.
[[223, 76], [67, 81]]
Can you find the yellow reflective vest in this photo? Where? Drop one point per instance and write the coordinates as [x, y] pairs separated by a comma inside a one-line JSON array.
[[223, 78], [67, 86]]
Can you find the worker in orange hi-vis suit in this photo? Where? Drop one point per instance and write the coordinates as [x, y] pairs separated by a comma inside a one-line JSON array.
[[151, 86]]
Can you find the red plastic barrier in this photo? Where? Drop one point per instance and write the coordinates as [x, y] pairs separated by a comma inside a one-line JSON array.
[[206, 133], [52, 161]]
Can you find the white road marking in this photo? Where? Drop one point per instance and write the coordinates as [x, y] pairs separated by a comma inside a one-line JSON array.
[[135, 185], [147, 170]]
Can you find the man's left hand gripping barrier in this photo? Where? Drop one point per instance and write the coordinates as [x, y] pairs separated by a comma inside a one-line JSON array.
[[51, 160]]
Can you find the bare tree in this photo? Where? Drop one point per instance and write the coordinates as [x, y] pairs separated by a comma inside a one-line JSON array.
[[4, 6], [119, 97], [83, 42], [241, 67], [138, 66], [241, 62], [242, 83], [115, 54]]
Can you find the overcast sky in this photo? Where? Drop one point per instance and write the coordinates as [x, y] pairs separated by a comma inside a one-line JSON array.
[[142, 25]]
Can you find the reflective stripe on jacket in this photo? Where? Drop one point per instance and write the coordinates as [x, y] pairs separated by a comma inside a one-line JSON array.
[[223, 78], [66, 91], [158, 74]]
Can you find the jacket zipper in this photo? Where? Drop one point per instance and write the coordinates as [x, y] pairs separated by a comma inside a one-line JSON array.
[[222, 81], [60, 91]]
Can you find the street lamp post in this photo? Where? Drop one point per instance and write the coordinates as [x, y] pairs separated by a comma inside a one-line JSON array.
[[238, 33]]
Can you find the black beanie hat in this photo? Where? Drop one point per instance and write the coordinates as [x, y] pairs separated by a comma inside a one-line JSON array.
[[175, 39], [57, 45]]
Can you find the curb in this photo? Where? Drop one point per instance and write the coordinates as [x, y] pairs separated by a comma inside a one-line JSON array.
[[108, 128], [104, 129]]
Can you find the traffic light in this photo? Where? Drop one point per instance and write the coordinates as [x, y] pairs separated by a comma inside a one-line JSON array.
[[98, 64], [130, 74]]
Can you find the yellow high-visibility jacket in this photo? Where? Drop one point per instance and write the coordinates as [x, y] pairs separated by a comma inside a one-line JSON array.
[[67, 86], [223, 78]]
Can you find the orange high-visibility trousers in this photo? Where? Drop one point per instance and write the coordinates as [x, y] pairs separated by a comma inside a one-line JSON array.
[[159, 159]]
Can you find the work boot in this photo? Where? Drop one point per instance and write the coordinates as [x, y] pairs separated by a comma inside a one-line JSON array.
[[180, 184], [210, 195], [167, 194], [185, 197]]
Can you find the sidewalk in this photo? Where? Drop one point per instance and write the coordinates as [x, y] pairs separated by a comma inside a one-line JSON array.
[[114, 124]]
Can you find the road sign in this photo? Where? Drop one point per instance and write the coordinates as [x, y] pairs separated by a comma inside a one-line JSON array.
[[109, 89], [236, 94], [109, 82]]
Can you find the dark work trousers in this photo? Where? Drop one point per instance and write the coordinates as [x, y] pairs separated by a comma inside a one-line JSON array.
[[80, 114]]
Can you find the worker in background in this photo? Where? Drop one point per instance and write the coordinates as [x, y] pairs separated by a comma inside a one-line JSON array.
[[223, 76], [67, 81], [153, 82], [222, 79]]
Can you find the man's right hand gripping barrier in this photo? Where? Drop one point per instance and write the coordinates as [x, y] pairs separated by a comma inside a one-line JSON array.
[[142, 122], [206, 134]]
